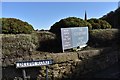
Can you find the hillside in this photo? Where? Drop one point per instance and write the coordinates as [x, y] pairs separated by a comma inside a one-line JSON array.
[[113, 18]]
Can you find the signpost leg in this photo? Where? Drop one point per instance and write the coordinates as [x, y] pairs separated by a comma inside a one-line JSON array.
[[46, 72], [24, 74], [63, 50]]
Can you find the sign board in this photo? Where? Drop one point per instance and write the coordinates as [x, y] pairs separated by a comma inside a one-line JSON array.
[[24, 64], [74, 37], [66, 38]]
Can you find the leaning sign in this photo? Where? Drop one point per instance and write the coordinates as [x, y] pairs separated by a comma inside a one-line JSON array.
[[74, 37]]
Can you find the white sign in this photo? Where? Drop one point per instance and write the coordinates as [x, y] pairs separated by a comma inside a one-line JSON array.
[[24, 64], [74, 37]]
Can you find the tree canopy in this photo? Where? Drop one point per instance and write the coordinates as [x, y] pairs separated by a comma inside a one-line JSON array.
[[113, 18], [99, 24], [69, 22], [15, 26]]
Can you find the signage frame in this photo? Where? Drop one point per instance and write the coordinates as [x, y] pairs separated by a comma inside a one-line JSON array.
[[35, 63], [69, 33]]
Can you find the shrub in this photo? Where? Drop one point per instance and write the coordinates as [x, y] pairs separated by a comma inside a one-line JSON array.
[[68, 22], [47, 41], [99, 24], [19, 44], [15, 26], [103, 37], [113, 18]]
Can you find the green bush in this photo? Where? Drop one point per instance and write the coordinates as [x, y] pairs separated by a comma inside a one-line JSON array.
[[47, 41], [113, 18], [18, 44], [15, 26], [103, 37], [25, 44], [69, 22], [99, 24]]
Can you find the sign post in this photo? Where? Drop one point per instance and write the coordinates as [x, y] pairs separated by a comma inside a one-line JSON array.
[[24, 74], [46, 72], [26, 64]]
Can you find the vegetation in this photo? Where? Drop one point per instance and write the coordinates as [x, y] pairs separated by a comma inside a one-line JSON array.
[[99, 24], [47, 41], [15, 26], [77, 22], [68, 22], [18, 44], [24, 44], [103, 37], [113, 18]]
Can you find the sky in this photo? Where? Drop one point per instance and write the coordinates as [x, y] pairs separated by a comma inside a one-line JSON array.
[[59, 0], [42, 15]]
